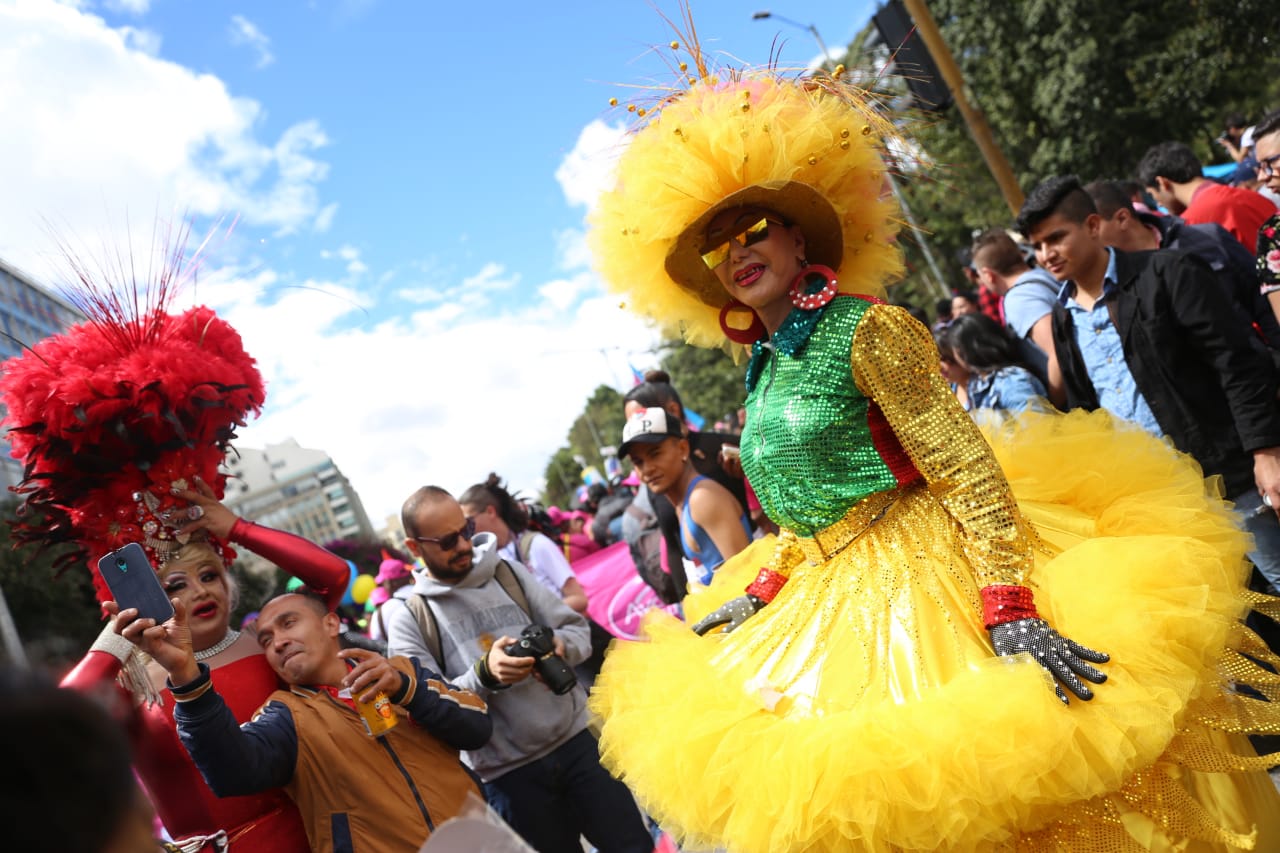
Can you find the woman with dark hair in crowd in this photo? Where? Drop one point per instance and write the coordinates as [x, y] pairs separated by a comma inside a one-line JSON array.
[[494, 510], [956, 375], [983, 349]]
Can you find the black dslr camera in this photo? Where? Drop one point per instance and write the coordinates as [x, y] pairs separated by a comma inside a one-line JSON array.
[[537, 641]]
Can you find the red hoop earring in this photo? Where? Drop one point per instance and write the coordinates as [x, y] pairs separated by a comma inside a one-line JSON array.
[[810, 301], [741, 324]]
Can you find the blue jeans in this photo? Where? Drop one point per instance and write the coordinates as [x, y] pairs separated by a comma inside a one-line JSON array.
[[566, 794], [1265, 528]]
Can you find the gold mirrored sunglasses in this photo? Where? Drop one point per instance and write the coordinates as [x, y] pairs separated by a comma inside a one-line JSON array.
[[748, 236]]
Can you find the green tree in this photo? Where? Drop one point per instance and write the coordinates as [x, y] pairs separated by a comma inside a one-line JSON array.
[[56, 615], [598, 427], [1087, 87], [1076, 86], [563, 476], [367, 554], [709, 381]]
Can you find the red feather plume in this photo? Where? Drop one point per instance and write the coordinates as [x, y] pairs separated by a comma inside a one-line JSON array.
[[109, 415]]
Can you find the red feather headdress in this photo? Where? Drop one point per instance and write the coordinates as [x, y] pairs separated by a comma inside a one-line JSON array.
[[111, 415]]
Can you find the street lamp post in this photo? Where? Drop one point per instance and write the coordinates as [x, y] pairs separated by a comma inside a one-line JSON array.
[[972, 115], [765, 14]]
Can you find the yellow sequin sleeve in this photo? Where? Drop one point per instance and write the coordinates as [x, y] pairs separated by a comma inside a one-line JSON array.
[[895, 363]]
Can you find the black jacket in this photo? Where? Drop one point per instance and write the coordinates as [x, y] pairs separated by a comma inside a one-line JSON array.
[[1190, 355], [1233, 265]]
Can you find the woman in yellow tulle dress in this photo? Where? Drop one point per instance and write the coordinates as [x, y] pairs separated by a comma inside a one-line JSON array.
[[893, 679]]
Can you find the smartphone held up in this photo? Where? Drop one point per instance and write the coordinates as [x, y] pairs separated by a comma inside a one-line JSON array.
[[134, 583]]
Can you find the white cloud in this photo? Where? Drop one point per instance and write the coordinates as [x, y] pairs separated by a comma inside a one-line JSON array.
[[492, 277], [130, 7], [109, 130], [443, 395], [351, 255], [246, 32], [587, 170], [563, 292], [144, 40], [832, 57], [572, 252], [324, 219], [421, 295], [472, 292]]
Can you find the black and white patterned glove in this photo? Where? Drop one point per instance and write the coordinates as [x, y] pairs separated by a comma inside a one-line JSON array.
[[731, 614], [1065, 659]]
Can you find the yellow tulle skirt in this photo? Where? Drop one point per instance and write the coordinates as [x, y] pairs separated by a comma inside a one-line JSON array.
[[864, 709]]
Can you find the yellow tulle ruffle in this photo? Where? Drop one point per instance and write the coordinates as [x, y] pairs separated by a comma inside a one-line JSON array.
[[864, 710]]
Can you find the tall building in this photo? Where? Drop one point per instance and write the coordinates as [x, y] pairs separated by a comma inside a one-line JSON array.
[[28, 313], [295, 489]]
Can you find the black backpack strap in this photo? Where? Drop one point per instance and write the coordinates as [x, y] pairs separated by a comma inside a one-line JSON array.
[[524, 544], [506, 578], [428, 626]]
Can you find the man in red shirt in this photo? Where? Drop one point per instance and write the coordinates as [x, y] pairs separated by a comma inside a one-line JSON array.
[[1175, 177]]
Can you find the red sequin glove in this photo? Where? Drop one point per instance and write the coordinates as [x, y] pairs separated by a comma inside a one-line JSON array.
[[1009, 614], [766, 585], [1006, 603]]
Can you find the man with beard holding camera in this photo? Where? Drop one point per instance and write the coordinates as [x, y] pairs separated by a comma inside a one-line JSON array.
[[489, 626]]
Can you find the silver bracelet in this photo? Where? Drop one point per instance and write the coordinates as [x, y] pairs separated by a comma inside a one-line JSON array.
[[113, 644]]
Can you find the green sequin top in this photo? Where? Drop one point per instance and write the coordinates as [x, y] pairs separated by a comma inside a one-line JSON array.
[[848, 401], [810, 451]]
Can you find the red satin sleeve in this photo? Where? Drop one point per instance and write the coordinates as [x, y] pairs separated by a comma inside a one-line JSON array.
[[323, 571], [96, 674], [94, 668]]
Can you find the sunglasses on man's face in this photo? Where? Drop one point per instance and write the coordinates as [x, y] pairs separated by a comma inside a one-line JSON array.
[[449, 541], [749, 236], [1267, 167]]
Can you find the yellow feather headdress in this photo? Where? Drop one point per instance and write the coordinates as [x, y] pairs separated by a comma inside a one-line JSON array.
[[729, 137]]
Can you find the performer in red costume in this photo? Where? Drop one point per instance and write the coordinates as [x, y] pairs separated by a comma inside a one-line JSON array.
[[122, 423]]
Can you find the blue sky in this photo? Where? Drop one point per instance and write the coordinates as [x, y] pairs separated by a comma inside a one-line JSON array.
[[408, 182]]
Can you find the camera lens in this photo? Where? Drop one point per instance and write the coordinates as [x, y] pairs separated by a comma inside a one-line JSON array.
[[121, 564]]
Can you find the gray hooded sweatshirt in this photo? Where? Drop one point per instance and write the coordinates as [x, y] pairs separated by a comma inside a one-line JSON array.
[[529, 721]]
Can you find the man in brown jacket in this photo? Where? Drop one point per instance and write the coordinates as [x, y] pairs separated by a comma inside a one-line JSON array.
[[354, 791]]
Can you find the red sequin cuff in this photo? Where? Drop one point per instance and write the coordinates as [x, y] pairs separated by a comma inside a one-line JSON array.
[[766, 585], [1003, 603]]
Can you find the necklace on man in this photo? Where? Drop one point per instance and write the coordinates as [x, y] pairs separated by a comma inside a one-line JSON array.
[[220, 646]]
